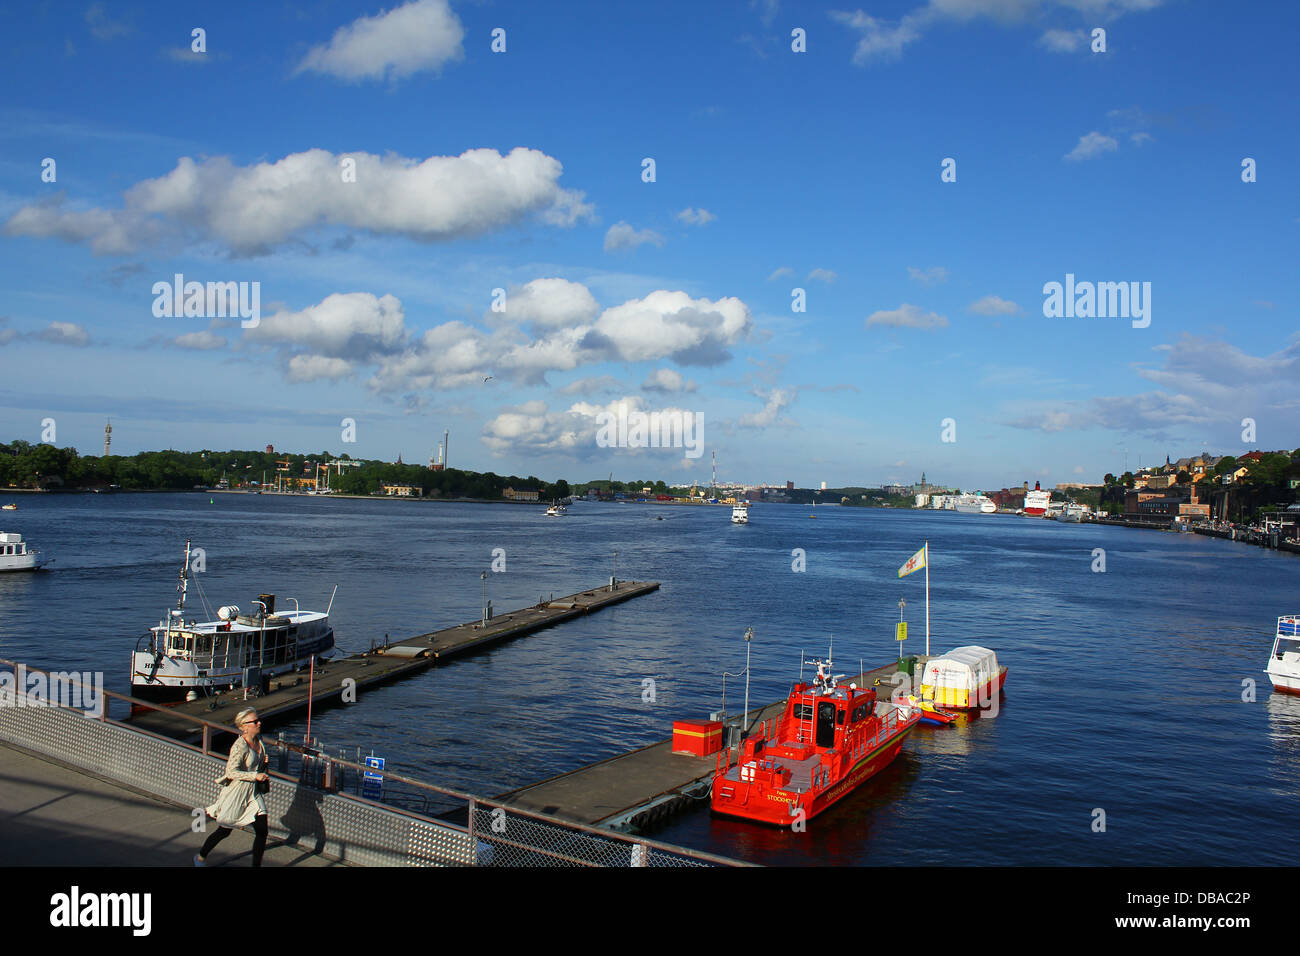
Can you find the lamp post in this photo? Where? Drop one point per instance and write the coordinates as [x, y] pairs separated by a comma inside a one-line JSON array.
[[483, 577], [613, 578], [744, 720]]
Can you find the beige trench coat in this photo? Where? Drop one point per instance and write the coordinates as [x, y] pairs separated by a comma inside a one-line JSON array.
[[238, 805]]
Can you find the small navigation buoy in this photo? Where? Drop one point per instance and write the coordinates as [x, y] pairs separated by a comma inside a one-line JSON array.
[[210, 501]]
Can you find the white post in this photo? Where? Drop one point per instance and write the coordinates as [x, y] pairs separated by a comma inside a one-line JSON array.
[[927, 598], [744, 720]]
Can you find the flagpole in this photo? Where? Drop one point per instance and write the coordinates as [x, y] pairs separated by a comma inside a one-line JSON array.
[[927, 598]]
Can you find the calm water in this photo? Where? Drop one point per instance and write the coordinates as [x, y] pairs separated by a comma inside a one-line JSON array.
[[1125, 688]]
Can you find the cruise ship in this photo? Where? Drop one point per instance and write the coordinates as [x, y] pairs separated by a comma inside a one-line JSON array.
[[976, 505]]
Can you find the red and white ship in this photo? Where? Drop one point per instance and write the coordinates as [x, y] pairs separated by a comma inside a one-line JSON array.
[[1036, 502], [828, 741]]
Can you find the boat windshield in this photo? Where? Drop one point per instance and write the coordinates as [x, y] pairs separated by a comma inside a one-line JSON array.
[[1287, 645]]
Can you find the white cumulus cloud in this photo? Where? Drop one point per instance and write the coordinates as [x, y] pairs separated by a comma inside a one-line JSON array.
[[344, 325], [551, 303], [696, 217], [65, 333], [310, 368], [423, 35], [770, 414], [622, 235], [907, 316], [931, 276], [673, 325], [993, 305], [1092, 145], [1062, 41], [253, 208], [667, 380]]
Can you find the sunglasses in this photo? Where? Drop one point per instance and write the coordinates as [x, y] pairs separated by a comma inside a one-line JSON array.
[[255, 720]]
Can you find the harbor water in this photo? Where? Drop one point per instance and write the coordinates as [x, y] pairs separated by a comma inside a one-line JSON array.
[[1135, 696]]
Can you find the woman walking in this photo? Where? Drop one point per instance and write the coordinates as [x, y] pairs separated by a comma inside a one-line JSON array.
[[244, 782]]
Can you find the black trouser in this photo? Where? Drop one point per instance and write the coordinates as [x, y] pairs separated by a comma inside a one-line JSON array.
[[259, 839]]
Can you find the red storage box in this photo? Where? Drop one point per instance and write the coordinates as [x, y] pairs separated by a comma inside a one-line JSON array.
[[697, 737]]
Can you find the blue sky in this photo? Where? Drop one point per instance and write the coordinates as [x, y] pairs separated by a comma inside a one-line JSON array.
[[774, 170]]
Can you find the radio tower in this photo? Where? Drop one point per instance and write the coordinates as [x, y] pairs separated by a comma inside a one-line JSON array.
[[108, 437]]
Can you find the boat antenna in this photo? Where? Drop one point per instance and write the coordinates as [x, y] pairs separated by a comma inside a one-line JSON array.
[[332, 593]]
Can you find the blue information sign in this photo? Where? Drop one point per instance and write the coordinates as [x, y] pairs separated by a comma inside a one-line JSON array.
[[372, 784]]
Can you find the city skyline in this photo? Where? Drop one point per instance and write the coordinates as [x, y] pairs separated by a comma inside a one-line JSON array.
[[428, 225]]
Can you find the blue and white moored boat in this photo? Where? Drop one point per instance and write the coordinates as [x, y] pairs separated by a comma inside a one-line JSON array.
[[1284, 663]]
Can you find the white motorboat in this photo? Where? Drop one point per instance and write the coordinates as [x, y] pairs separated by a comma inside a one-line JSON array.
[[740, 513], [179, 658], [14, 555], [556, 511], [1284, 663]]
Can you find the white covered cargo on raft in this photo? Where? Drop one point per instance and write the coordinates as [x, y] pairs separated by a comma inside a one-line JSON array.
[[962, 677]]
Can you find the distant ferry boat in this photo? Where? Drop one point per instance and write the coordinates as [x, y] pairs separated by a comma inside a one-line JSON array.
[[14, 555], [1284, 663], [179, 658], [1036, 502], [740, 513]]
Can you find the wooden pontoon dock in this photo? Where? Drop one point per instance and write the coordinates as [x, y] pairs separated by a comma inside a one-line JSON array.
[[289, 693]]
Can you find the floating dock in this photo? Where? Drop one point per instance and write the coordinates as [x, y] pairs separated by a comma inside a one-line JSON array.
[[290, 692], [648, 784]]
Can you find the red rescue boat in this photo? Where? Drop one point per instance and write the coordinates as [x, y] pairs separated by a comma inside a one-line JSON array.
[[828, 741]]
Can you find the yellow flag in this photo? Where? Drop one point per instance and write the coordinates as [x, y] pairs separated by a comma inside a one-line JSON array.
[[915, 563]]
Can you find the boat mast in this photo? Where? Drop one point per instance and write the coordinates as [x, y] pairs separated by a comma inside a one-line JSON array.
[[179, 613], [185, 578]]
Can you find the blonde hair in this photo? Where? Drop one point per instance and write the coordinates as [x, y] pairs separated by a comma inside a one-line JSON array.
[[239, 717]]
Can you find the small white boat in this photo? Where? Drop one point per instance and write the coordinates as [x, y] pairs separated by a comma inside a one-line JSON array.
[[9, 507], [14, 555], [740, 513], [556, 511], [1284, 663]]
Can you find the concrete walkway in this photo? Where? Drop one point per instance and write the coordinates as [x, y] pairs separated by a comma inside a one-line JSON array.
[[54, 815]]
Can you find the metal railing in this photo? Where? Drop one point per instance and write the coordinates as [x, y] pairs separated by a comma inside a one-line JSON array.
[[501, 835]]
